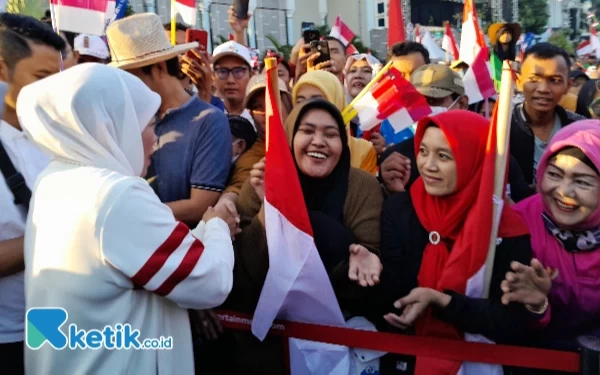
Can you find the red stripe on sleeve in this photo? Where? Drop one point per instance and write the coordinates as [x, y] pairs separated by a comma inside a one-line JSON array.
[[160, 256], [185, 268]]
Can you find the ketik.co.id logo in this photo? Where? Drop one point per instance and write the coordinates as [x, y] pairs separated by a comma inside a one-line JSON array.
[[44, 325]]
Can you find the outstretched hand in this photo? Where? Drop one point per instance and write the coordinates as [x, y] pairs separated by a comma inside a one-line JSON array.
[[365, 267], [414, 304]]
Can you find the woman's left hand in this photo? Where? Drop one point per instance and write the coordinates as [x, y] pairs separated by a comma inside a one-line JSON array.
[[365, 267], [418, 300], [528, 285]]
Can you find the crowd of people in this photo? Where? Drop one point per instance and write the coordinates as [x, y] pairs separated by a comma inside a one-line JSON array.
[[134, 193]]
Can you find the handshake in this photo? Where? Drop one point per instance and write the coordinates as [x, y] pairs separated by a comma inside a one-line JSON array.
[[226, 211]]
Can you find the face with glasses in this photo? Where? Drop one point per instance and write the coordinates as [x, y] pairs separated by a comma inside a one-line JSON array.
[[231, 76]]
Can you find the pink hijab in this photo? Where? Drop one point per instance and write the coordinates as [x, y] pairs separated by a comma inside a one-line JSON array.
[[584, 135], [575, 294]]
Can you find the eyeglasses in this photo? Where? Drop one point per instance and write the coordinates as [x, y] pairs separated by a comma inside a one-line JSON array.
[[238, 72]]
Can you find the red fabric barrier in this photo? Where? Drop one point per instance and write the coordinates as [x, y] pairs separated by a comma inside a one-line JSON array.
[[417, 346]]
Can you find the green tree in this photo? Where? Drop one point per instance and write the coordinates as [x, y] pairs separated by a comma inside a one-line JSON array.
[[33, 8], [484, 13], [129, 10], [284, 50], [533, 15], [561, 39]]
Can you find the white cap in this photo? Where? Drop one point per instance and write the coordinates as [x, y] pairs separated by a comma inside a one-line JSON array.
[[232, 48], [91, 45]]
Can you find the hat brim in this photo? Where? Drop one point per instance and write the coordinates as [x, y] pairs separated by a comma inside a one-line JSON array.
[[154, 57], [92, 53], [233, 54], [494, 28], [434, 92], [457, 63]]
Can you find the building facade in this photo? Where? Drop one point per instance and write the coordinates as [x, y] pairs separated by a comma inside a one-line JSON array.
[[282, 20]]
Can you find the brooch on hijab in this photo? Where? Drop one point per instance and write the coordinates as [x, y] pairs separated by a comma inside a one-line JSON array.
[[434, 238]]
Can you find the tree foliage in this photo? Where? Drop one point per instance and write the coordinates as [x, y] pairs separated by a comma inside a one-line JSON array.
[[129, 10], [533, 15], [284, 50], [561, 39], [33, 8]]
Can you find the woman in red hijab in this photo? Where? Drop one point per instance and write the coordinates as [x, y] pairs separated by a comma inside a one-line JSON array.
[[435, 242]]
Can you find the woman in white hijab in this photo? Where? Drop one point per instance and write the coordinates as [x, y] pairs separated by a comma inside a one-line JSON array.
[[100, 244], [359, 71]]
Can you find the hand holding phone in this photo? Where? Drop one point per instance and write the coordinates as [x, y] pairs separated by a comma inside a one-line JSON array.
[[321, 47]]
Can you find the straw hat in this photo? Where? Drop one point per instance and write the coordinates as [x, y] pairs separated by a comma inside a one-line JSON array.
[[515, 29], [259, 82], [140, 40]]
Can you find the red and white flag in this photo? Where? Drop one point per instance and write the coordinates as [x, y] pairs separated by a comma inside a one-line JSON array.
[[187, 9], [478, 81], [471, 37], [82, 16], [585, 48], [341, 31], [448, 42], [394, 99], [418, 36], [594, 41], [351, 49], [297, 286], [396, 31]]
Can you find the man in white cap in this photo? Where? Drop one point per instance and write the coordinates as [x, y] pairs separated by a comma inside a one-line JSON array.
[[91, 48], [232, 67], [193, 155]]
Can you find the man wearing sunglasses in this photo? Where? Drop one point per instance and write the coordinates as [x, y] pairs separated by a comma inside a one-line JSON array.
[[232, 71]]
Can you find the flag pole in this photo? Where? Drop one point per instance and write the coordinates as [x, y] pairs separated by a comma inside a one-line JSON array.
[[349, 113], [503, 117], [173, 23], [54, 18], [271, 63]]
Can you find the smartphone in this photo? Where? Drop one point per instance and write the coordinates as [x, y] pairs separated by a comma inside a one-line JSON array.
[[311, 35], [241, 9], [322, 47], [196, 35]]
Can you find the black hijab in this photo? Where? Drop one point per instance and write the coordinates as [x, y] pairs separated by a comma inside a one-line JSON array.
[[511, 51], [324, 195]]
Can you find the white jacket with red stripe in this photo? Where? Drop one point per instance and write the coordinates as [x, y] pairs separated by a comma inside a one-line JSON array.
[[103, 247]]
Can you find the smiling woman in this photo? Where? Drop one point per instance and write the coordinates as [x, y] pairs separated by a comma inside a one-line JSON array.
[[344, 207], [360, 70], [434, 248], [564, 220]]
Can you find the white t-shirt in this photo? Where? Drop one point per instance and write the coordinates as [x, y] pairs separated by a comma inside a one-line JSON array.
[[29, 161]]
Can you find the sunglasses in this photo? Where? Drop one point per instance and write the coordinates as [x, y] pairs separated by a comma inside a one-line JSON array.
[[238, 72]]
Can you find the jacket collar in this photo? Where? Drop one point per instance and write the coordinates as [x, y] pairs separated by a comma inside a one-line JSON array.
[[565, 117]]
